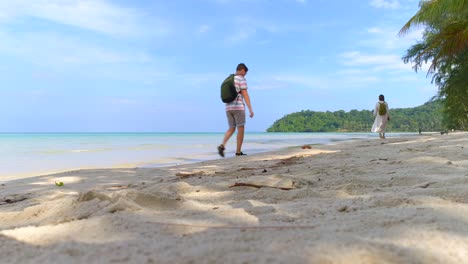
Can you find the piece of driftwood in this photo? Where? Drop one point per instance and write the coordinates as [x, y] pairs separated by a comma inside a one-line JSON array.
[[237, 184], [378, 159], [117, 187], [12, 200], [247, 169], [190, 174], [425, 185]]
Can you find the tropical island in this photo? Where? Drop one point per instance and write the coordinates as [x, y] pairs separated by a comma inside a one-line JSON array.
[[427, 117]]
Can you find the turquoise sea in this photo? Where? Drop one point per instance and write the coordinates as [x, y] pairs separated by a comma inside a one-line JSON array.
[[30, 154]]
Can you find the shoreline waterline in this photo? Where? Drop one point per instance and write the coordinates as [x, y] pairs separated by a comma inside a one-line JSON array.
[[24, 155]]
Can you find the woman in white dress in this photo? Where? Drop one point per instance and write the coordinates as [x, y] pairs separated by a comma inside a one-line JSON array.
[[381, 117]]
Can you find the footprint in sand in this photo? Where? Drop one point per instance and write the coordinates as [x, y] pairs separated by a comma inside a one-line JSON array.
[[156, 201]]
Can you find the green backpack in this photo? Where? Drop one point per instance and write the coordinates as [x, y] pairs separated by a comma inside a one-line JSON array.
[[382, 109], [228, 90]]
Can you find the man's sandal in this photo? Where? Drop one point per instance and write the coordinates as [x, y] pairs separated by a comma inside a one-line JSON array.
[[221, 150]]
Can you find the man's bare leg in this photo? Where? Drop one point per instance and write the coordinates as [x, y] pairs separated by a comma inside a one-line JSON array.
[[228, 135]]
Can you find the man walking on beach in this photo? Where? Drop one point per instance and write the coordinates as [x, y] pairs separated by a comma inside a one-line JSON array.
[[235, 111]]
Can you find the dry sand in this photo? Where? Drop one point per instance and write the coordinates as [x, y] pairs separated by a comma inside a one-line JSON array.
[[399, 200]]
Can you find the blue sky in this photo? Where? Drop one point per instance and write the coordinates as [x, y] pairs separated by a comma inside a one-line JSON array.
[[121, 65]]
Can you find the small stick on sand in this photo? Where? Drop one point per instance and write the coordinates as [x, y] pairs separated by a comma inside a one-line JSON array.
[[259, 186]]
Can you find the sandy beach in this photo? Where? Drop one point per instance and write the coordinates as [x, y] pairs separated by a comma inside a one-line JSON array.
[[398, 200]]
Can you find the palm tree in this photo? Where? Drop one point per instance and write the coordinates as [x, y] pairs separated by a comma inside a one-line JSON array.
[[446, 32], [453, 86], [445, 45]]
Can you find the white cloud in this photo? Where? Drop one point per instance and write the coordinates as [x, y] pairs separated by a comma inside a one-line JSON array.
[[55, 57], [387, 38], [96, 15], [384, 49], [240, 36], [204, 28], [290, 81], [52, 48], [390, 4], [377, 62], [303, 80], [374, 30], [333, 81], [249, 27], [412, 36]]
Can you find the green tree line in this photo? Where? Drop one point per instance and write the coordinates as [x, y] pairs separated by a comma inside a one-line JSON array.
[[427, 117]]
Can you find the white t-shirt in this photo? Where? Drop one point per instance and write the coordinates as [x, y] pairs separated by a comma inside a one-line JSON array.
[[238, 104]]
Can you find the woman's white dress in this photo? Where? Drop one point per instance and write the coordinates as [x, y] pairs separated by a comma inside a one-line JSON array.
[[380, 122]]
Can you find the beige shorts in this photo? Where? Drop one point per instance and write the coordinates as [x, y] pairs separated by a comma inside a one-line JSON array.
[[236, 118]]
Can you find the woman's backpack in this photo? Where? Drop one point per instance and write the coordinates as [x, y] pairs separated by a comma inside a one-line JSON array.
[[382, 109]]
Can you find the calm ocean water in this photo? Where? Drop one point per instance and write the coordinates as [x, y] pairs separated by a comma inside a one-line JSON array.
[[29, 154]]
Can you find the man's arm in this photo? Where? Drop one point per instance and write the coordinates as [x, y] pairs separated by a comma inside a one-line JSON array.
[[245, 94]]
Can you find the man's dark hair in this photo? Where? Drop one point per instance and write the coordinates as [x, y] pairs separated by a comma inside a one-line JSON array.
[[242, 66], [381, 97]]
